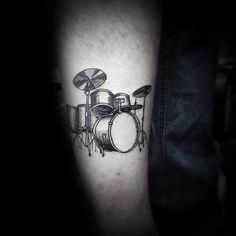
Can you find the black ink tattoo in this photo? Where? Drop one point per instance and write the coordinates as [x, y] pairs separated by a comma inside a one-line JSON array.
[[106, 119]]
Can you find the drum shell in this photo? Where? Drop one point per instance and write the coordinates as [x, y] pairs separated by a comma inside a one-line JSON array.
[[81, 109], [93, 120], [80, 112], [125, 105], [102, 102], [102, 131], [72, 120]]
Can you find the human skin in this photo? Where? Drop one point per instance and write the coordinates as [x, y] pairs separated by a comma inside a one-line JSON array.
[[122, 39]]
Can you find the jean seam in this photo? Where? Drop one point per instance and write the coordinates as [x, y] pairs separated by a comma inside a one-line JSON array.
[[164, 74]]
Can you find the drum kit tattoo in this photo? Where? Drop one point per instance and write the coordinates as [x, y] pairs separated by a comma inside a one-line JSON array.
[[107, 120]]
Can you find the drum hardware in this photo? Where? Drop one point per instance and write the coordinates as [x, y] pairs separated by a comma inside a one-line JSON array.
[[136, 107], [106, 121], [142, 93], [81, 122], [123, 100], [119, 101], [79, 138], [85, 126], [73, 122], [102, 148], [135, 103], [87, 137], [86, 81]]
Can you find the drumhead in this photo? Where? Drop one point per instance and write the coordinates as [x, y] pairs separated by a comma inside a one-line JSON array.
[[124, 132], [102, 110]]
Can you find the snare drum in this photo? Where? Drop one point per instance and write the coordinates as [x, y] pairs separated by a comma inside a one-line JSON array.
[[124, 101], [102, 102], [119, 132]]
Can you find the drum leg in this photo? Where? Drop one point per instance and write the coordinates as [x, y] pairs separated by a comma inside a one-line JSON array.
[[79, 138], [82, 139], [96, 143], [102, 151], [79, 142], [92, 138], [75, 138], [146, 138], [95, 146], [88, 143], [139, 146], [143, 139]]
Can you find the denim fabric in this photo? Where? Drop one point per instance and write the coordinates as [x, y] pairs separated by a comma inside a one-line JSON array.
[[183, 165]]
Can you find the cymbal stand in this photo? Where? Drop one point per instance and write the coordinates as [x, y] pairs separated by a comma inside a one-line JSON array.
[[143, 133], [89, 135], [135, 103], [88, 139]]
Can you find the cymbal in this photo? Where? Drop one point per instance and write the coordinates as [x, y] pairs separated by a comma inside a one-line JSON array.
[[89, 79], [136, 107], [142, 92]]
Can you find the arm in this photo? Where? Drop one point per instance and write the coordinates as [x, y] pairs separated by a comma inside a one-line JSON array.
[[118, 41]]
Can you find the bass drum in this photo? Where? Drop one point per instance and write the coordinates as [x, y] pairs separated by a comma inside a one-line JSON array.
[[119, 132]]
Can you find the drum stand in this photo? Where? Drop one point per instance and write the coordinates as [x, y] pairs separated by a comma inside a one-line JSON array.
[[135, 103], [89, 136], [87, 80], [79, 137], [142, 132]]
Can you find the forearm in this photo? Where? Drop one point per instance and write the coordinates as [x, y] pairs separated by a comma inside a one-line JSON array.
[[121, 38]]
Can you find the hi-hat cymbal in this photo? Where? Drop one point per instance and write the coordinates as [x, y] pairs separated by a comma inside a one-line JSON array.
[[142, 92], [89, 79], [136, 107]]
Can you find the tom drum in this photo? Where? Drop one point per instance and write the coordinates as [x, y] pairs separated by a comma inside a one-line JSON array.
[[102, 102], [124, 101]]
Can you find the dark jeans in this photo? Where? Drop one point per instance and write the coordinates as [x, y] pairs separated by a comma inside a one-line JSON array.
[[184, 166]]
